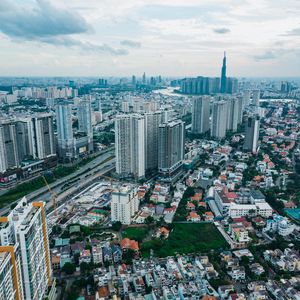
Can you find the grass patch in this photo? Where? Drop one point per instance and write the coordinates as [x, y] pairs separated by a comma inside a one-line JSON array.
[[135, 233], [188, 238]]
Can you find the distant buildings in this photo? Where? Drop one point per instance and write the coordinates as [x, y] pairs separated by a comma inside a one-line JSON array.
[[24, 248], [26, 138], [207, 85], [200, 114], [251, 134], [124, 205], [72, 144]]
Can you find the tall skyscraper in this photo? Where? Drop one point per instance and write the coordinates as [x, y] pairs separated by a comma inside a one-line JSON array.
[[133, 80], [124, 204], [219, 119], [125, 106], [251, 134], [24, 244], [234, 111], [171, 141], [43, 135], [35, 136], [152, 122], [9, 154], [65, 136], [200, 114], [255, 97], [246, 97], [84, 113], [144, 81], [137, 146], [223, 76], [130, 145]]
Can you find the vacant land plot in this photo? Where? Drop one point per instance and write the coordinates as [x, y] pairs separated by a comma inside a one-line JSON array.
[[189, 238], [135, 233]]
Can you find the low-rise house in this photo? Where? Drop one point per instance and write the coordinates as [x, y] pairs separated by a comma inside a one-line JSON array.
[[116, 253], [257, 269], [237, 273], [85, 256], [193, 217], [162, 232], [97, 254], [225, 290]]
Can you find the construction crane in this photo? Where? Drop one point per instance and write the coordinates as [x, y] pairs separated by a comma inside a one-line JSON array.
[[52, 193]]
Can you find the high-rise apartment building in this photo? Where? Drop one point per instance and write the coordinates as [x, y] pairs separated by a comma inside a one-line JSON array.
[[171, 141], [234, 111], [251, 134], [130, 145], [24, 242], [246, 97], [65, 136], [9, 155], [125, 107], [152, 122], [43, 136], [84, 114], [200, 114], [124, 204], [255, 97], [219, 119]]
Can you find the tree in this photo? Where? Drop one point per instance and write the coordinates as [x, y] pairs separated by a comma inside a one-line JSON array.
[[128, 256], [69, 268], [116, 226], [84, 267], [149, 220]]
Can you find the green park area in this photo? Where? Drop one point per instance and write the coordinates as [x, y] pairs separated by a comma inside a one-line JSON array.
[[187, 238], [135, 233]]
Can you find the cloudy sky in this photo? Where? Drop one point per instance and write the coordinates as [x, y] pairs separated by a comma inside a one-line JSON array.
[[167, 37]]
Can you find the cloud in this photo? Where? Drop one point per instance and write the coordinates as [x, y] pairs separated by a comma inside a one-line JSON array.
[[84, 46], [40, 20], [293, 32], [268, 55], [221, 30], [44, 23], [130, 44]]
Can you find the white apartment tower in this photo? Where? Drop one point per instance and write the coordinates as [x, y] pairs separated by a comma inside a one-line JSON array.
[[255, 97], [251, 134], [9, 155], [84, 114], [219, 119], [65, 136], [234, 111], [200, 114], [171, 142], [24, 236], [124, 205], [130, 145], [152, 122]]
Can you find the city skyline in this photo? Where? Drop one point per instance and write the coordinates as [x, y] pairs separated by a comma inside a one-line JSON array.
[[171, 38]]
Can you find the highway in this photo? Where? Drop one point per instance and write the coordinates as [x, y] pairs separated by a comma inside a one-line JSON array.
[[85, 174]]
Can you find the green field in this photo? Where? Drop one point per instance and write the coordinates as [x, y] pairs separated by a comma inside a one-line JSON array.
[[135, 233], [187, 238]]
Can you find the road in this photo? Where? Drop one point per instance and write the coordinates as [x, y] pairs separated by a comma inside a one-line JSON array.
[[83, 183], [85, 172]]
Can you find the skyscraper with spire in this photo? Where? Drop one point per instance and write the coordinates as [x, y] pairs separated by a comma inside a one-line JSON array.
[[223, 75]]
